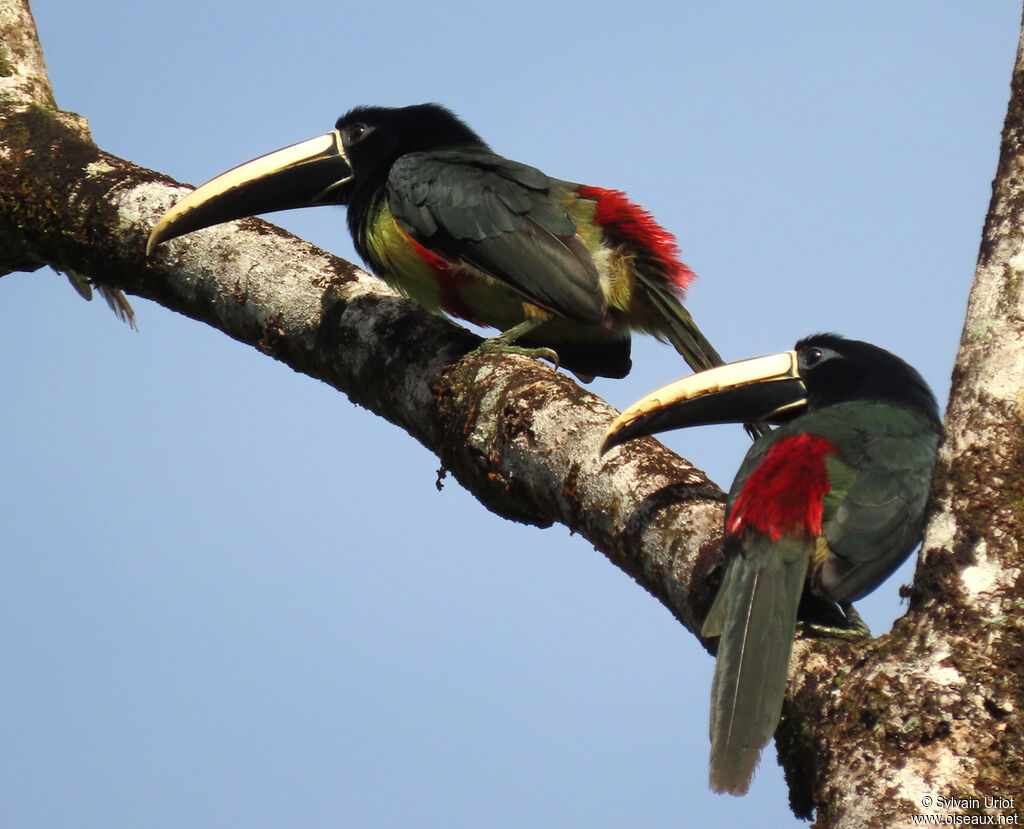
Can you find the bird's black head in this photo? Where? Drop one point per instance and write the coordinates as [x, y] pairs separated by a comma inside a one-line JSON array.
[[346, 166], [837, 370], [373, 138], [822, 370]]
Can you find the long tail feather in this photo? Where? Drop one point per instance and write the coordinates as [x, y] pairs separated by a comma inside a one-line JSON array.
[[114, 297], [753, 658], [680, 329]]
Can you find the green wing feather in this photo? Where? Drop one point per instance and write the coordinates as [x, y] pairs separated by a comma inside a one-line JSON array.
[[874, 514], [495, 214], [678, 326]]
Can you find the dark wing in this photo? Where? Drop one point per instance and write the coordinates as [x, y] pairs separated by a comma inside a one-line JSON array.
[[478, 208], [875, 512]]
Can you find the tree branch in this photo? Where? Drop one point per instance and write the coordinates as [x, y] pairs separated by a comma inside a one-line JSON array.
[[519, 435]]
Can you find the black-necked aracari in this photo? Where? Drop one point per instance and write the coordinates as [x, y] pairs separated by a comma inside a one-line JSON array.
[[459, 229], [830, 503]]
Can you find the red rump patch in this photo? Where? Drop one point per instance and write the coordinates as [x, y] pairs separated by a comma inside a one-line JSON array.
[[785, 494], [625, 222]]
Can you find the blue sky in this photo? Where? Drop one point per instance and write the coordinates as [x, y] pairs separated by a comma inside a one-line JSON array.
[[232, 598]]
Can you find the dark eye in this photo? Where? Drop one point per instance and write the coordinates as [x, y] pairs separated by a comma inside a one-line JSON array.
[[353, 133], [813, 356]]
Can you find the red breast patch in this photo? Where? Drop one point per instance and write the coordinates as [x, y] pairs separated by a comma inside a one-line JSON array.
[[785, 494]]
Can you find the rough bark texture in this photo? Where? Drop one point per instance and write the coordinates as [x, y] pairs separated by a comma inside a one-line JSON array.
[[519, 435], [869, 729]]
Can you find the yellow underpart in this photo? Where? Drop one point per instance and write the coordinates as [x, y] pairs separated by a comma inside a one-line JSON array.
[[400, 265], [484, 299], [614, 264], [821, 553], [489, 301]]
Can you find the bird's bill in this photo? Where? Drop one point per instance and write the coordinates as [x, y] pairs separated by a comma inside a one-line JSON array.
[[760, 390], [302, 175]]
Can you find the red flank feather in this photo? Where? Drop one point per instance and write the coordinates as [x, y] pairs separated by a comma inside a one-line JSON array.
[[449, 279]]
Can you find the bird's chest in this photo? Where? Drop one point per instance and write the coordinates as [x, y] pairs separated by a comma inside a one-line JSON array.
[[431, 280], [785, 492]]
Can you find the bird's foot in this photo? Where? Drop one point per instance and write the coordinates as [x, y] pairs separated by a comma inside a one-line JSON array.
[[501, 344], [853, 629]]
